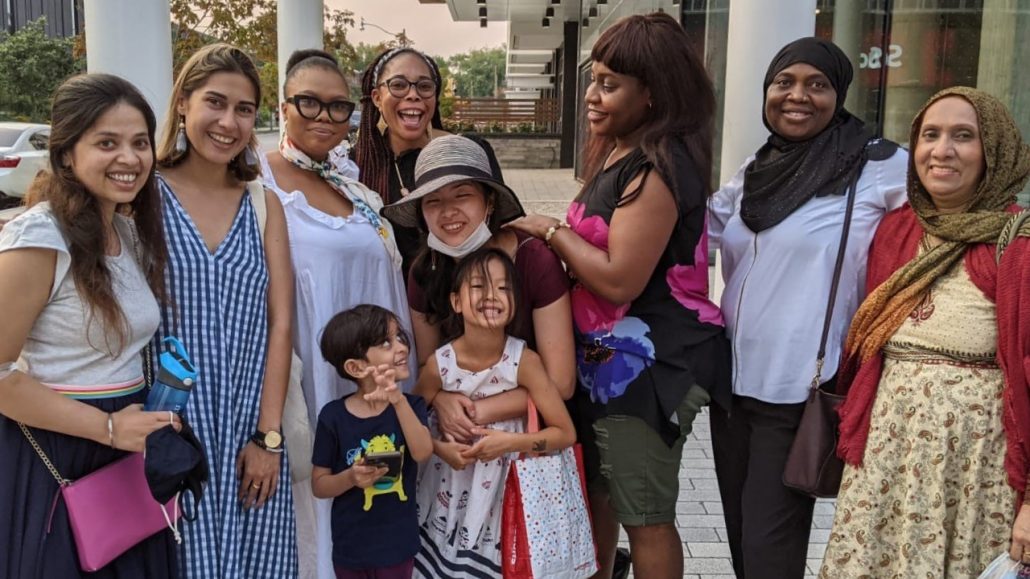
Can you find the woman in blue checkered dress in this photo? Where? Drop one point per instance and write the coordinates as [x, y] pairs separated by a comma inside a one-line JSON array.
[[231, 305]]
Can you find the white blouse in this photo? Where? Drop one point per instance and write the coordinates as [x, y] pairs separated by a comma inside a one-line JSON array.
[[778, 281]]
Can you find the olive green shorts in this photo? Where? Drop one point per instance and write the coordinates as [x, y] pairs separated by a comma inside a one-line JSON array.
[[637, 469]]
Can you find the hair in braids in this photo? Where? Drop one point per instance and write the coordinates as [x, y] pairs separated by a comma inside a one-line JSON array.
[[373, 154]]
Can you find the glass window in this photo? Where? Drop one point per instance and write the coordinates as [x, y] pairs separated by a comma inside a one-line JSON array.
[[8, 137]]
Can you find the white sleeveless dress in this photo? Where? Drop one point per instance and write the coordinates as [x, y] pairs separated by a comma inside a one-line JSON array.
[[460, 511]]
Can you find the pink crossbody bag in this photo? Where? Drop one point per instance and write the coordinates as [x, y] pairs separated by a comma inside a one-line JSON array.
[[110, 510]]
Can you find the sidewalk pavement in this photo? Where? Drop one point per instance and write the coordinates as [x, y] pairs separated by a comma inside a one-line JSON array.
[[706, 552]]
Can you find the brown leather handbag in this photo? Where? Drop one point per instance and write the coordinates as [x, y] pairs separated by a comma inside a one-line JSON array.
[[813, 467]]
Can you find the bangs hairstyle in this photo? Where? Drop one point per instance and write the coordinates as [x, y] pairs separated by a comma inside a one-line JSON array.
[[477, 263], [200, 67], [351, 333], [77, 106], [656, 50], [373, 154]]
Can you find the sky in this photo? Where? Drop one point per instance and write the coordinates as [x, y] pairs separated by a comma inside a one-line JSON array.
[[428, 25]]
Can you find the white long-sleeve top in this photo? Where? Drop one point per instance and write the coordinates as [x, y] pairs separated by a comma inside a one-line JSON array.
[[778, 281]]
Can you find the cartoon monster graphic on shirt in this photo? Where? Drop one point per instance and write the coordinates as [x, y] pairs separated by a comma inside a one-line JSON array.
[[385, 485]]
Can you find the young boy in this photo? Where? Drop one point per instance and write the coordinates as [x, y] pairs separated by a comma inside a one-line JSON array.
[[368, 446]]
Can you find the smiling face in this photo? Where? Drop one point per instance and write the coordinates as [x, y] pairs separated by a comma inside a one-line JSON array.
[[617, 104], [319, 136], [393, 352], [454, 211], [407, 116], [485, 298], [114, 157], [800, 102], [948, 156], [219, 117]]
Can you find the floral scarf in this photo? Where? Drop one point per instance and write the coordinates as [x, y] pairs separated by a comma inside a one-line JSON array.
[[366, 201]]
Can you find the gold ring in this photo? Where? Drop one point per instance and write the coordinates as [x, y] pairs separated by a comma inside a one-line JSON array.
[[255, 485]]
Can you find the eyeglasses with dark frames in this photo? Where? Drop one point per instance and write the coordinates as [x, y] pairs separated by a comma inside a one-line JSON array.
[[399, 87], [310, 107]]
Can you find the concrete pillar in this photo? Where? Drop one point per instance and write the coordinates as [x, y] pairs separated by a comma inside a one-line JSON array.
[[133, 40], [569, 95], [299, 24], [758, 29]]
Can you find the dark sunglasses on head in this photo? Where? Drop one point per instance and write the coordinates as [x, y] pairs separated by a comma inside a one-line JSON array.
[[309, 107], [399, 87]]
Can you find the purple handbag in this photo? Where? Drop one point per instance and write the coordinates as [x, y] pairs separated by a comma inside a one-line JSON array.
[[110, 510]]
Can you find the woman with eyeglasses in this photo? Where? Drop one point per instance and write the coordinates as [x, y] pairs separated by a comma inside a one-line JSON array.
[[400, 107], [343, 253]]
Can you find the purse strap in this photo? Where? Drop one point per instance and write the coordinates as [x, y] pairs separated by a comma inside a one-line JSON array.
[[42, 455], [838, 266], [1010, 232]]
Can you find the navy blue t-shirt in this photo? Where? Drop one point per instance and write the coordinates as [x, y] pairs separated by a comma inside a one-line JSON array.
[[378, 526]]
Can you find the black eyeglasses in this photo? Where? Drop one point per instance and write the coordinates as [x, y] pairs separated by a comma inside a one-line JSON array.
[[309, 107], [399, 87]]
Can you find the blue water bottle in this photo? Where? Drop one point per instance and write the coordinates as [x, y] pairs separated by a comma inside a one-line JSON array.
[[176, 376]]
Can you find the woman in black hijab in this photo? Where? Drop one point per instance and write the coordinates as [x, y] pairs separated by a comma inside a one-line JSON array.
[[778, 225]]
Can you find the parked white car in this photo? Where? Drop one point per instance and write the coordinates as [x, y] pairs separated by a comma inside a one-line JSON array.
[[24, 151]]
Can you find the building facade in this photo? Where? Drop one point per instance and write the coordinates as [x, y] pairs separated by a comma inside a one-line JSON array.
[[63, 17], [903, 51]]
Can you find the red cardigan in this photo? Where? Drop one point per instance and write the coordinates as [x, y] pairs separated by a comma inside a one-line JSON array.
[[895, 244]]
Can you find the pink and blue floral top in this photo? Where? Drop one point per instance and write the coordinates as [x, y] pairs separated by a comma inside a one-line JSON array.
[[641, 358]]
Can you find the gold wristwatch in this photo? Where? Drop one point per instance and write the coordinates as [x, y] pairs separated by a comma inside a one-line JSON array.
[[272, 441]]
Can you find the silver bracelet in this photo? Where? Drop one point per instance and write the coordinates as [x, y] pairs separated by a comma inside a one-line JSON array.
[[8, 368]]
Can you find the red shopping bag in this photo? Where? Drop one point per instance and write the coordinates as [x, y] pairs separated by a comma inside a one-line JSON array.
[[545, 522]]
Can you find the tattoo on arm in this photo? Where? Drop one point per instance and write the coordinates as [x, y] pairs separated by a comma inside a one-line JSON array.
[[539, 446]]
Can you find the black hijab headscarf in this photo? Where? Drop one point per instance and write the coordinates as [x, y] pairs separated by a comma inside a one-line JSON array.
[[786, 174]]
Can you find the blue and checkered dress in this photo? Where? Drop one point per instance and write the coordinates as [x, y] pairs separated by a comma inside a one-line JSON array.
[[219, 311]]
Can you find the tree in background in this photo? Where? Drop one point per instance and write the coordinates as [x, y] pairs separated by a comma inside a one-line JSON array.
[[250, 25], [31, 67], [479, 72]]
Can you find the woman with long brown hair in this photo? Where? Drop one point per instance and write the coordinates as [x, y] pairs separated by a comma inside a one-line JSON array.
[[79, 274], [650, 345], [231, 282]]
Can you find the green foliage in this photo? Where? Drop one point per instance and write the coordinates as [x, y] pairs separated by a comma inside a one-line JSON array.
[[31, 67], [252, 26], [479, 72]]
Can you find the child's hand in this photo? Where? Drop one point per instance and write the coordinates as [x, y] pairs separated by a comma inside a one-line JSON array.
[[386, 385], [365, 475], [491, 444], [453, 453]]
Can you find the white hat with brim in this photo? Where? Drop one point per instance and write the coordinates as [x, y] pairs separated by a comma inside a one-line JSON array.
[[450, 159]]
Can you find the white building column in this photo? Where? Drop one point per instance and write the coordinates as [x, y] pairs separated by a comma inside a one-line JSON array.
[[133, 40], [757, 31], [299, 24]]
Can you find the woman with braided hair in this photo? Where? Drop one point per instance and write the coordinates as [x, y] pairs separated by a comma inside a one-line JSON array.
[[400, 107], [937, 420]]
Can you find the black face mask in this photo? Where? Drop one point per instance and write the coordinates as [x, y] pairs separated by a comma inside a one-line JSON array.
[[175, 462]]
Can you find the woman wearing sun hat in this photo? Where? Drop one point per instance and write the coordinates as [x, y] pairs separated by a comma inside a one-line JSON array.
[[463, 207]]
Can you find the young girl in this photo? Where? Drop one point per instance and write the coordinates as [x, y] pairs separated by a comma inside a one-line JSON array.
[[462, 486], [374, 520]]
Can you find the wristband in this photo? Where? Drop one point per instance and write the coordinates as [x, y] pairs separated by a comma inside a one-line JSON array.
[[552, 230]]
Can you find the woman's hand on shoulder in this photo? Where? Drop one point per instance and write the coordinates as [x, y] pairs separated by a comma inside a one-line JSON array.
[[534, 224]]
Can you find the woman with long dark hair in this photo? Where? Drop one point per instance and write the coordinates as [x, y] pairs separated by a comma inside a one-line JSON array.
[[79, 274], [778, 225], [650, 345], [400, 115]]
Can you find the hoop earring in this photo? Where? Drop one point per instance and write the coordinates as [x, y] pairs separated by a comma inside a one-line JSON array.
[[181, 144]]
